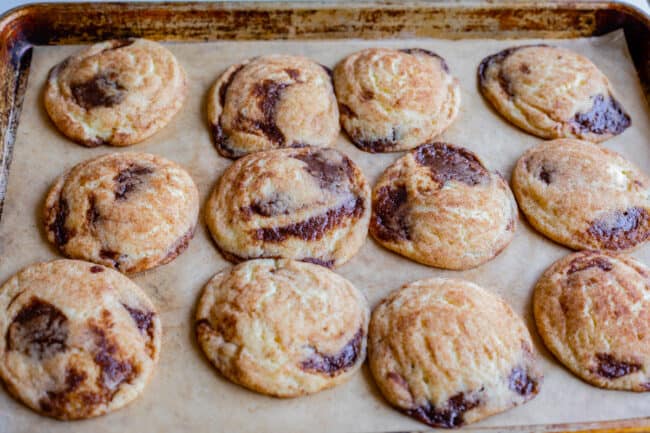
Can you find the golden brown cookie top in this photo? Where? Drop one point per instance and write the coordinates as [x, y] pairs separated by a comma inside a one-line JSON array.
[[78, 339], [117, 92], [593, 311], [583, 195], [270, 102], [439, 205], [282, 327], [393, 100], [310, 204], [129, 211], [448, 352], [552, 92]]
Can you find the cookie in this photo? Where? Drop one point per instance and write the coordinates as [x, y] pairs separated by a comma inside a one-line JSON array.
[[583, 196], [592, 310], [439, 205], [78, 339], [117, 92], [129, 211], [447, 352], [271, 102], [392, 100], [552, 93], [310, 204], [282, 327]]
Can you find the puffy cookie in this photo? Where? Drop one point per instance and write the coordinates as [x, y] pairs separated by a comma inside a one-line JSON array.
[[583, 196], [78, 339], [552, 93], [116, 92], [392, 100], [271, 102], [592, 310], [440, 206], [447, 352], [129, 211], [282, 327], [310, 204]]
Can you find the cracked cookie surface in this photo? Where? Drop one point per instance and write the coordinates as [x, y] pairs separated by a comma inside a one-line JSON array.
[[282, 327], [583, 195], [78, 339], [310, 204], [447, 353], [392, 100], [592, 310], [440, 206], [117, 92], [271, 102], [552, 93], [129, 211]]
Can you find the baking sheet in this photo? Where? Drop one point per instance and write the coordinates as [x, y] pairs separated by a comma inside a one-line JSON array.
[[187, 394]]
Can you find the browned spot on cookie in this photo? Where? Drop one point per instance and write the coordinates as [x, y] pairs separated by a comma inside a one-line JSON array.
[[330, 174], [39, 330], [524, 68], [447, 162], [345, 110], [294, 74], [55, 402], [334, 364], [366, 95], [96, 269], [606, 116], [415, 51], [317, 261], [611, 368], [390, 212], [113, 256], [61, 234], [384, 144], [128, 179], [621, 229], [315, 227], [103, 90], [520, 382], [115, 371], [450, 415], [581, 263]]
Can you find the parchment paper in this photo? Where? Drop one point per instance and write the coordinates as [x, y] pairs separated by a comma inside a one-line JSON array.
[[187, 394]]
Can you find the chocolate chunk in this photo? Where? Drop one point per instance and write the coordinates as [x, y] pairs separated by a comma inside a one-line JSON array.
[[524, 68], [520, 382], [322, 262], [143, 319], [103, 90], [55, 402], [545, 174], [334, 364], [113, 256], [114, 370], [96, 269], [277, 204], [61, 234], [39, 330], [582, 263], [447, 162], [606, 116], [330, 174], [620, 229], [415, 51], [346, 110], [390, 214], [129, 179], [92, 214], [294, 74], [268, 94], [315, 227], [451, 415], [612, 368], [385, 144]]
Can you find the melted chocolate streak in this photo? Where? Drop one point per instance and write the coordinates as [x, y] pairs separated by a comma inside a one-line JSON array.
[[143, 319], [390, 214], [315, 227], [447, 162], [621, 229], [414, 51], [451, 415], [581, 265], [114, 371], [612, 368], [333, 364], [102, 90], [498, 58], [57, 227], [521, 383], [605, 117], [129, 179], [329, 173]]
